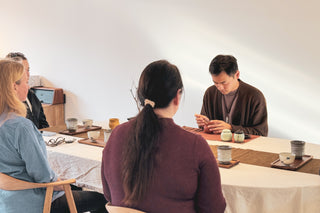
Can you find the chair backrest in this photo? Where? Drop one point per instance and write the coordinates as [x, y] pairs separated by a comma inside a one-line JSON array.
[[119, 209], [9, 183]]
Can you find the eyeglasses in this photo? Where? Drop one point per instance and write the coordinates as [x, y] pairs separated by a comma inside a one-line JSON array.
[[55, 142], [59, 140]]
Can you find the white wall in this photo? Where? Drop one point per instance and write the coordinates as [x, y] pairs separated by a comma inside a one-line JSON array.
[[95, 49]]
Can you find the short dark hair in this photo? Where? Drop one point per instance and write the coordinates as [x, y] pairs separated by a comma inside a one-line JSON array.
[[223, 63], [17, 55]]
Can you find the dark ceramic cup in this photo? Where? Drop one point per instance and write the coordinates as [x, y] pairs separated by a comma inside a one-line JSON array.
[[297, 148]]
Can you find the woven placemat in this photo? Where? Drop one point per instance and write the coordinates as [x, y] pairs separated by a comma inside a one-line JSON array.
[[265, 159]]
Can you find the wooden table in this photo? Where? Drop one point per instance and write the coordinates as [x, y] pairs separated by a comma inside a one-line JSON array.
[[247, 188]]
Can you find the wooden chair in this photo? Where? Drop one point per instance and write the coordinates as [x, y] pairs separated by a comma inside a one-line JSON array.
[[12, 184], [119, 209]]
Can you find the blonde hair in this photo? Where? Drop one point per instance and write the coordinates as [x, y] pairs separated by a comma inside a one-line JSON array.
[[10, 72]]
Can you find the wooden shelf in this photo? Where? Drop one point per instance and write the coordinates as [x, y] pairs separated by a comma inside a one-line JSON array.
[[54, 114]]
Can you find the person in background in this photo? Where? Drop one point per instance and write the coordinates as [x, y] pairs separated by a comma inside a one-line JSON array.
[[152, 164], [231, 103], [23, 151], [34, 107]]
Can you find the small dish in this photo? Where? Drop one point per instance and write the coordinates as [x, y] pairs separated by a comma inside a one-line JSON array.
[[70, 140], [287, 158]]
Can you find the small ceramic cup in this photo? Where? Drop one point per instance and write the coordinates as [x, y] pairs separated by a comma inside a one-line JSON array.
[[72, 124], [239, 136], [224, 154], [297, 148], [93, 135], [87, 123], [286, 158], [107, 133], [226, 135], [113, 122]]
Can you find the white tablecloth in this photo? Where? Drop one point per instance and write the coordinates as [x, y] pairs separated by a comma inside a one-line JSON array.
[[76, 160], [247, 188]]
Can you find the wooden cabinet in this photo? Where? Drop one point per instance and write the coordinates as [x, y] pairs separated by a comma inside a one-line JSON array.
[[54, 114]]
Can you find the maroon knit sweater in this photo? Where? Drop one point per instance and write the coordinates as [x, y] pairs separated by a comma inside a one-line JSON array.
[[186, 178]]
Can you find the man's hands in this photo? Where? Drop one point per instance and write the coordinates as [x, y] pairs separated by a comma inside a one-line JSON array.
[[216, 126], [213, 126], [201, 120]]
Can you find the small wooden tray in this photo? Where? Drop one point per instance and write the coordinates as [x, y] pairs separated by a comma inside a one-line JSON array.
[[232, 163], [217, 137], [80, 129], [99, 142], [294, 166]]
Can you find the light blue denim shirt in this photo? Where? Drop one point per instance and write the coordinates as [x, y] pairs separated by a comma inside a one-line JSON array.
[[23, 155]]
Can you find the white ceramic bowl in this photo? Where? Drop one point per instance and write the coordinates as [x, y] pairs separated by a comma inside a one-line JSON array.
[[287, 157], [93, 135], [87, 123]]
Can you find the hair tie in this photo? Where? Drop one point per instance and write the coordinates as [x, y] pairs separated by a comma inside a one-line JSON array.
[[147, 101]]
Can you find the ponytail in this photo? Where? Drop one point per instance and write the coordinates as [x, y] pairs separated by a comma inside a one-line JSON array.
[[158, 85], [139, 155]]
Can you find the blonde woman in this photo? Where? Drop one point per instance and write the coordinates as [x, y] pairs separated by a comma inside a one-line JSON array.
[[23, 151]]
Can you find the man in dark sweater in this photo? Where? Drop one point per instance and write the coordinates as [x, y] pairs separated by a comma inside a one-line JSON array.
[[34, 108], [231, 103]]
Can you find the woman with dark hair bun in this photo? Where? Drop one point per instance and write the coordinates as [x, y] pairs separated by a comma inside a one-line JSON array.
[[152, 164]]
